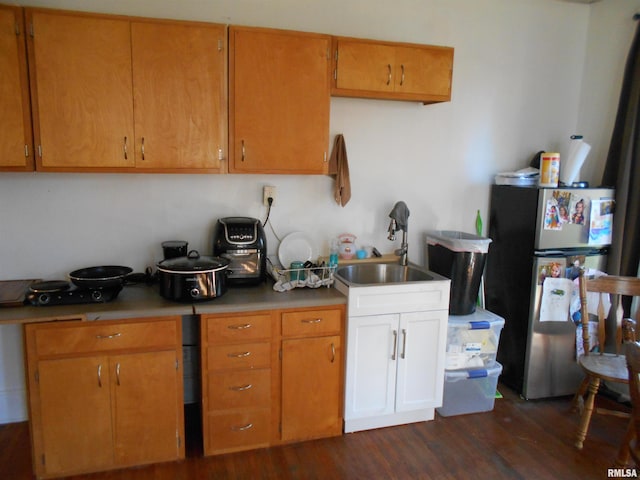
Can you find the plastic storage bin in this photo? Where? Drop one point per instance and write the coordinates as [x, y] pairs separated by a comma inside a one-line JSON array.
[[472, 340], [460, 257], [469, 391]]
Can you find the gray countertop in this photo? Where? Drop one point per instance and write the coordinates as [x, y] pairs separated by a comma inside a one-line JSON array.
[[135, 301]]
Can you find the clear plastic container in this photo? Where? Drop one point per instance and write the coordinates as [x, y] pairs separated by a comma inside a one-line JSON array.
[[472, 340], [469, 391]]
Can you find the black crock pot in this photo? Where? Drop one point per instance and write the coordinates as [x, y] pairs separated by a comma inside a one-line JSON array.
[[192, 278]]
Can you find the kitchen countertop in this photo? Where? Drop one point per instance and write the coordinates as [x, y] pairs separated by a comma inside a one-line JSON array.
[[145, 301]]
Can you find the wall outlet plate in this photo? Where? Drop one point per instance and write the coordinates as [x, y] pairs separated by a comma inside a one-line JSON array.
[[268, 192]]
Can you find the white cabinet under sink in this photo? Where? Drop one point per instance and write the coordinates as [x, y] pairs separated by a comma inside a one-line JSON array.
[[396, 340]]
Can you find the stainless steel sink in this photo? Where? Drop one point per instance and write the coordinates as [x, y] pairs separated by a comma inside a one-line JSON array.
[[382, 273]]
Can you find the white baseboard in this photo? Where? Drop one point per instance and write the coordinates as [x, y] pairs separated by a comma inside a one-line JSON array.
[[13, 406]]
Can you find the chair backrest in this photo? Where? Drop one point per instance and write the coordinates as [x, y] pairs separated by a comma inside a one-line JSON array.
[[617, 288]]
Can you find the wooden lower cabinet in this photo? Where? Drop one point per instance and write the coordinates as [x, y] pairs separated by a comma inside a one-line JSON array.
[[312, 374], [271, 377], [237, 380], [311, 393], [107, 408]]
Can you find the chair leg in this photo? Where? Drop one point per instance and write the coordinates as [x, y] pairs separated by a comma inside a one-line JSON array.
[[623, 453], [585, 419], [577, 405]]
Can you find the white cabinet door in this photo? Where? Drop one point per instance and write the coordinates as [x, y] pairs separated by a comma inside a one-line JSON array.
[[420, 360], [371, 370]]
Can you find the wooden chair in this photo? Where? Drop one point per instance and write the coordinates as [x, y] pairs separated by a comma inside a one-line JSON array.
[[633, 364], [604, 366]]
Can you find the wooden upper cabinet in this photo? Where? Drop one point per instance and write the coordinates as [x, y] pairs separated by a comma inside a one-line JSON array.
[[279, 96], [179, 88], [118, 94], [16, 140], [81, 89], [394, 71]]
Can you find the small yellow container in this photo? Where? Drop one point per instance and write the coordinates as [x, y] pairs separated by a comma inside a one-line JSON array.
[[549, 169]]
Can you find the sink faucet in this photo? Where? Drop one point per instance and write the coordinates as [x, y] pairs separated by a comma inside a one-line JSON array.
[[399, 221]]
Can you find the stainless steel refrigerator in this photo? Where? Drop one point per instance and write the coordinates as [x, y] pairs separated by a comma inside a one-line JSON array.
[[538, 235]]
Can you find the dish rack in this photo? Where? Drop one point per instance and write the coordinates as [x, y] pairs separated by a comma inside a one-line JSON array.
[[311, 276]]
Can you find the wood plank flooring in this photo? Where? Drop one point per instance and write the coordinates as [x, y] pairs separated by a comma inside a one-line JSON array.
[[518, 440]]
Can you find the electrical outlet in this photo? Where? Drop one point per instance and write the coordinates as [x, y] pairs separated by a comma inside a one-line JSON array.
[[268, 192]]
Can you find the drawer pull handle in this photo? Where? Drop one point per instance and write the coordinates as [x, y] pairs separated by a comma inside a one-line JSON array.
[[241, 388], [242, 428], [100, 375], [107, 337], [238, 355], [239, 327], [311, 320], [125, 148], [402, 76], [389, 74]]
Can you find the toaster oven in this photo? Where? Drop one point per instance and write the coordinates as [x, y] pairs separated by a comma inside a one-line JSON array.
[[241, 241]]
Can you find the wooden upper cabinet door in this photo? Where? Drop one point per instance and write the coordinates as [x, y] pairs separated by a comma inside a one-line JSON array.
[[365, 66], [424, 70], [279, 101], [16, 142], [179, 87], [80, 68]]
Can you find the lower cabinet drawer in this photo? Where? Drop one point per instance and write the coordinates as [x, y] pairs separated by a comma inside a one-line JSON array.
[[238, 430], [251, 388], [104, 336], [245, 355], [311, 322]]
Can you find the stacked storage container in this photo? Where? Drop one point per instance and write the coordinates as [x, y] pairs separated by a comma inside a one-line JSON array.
[[471, 374]]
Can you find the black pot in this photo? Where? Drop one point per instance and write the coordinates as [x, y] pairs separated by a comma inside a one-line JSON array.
[[192, 278], [108, 276]]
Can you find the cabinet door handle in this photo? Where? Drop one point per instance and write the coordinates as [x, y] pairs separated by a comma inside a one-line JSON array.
[[311, 320], [100, 375], [107, 337], [333, 352], [402, 75], [395, 345], [243, 150], [142, 148], [389, 74], [241, 388], [239, 326], [404, 343], [118, 373], [238, 355], [125, 148], [242, 427]]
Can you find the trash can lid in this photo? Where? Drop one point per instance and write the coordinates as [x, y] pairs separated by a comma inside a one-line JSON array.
[[458, 241]]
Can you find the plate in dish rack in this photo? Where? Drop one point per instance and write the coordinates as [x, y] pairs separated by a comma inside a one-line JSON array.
[[296, 246]]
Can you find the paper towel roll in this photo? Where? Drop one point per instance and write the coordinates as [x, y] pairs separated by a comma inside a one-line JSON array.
[[570, 168]]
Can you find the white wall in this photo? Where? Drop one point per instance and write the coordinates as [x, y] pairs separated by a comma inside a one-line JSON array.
[[527, 74]]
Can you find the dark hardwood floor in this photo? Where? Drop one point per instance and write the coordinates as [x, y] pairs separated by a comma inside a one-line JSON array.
[[517, 440]]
